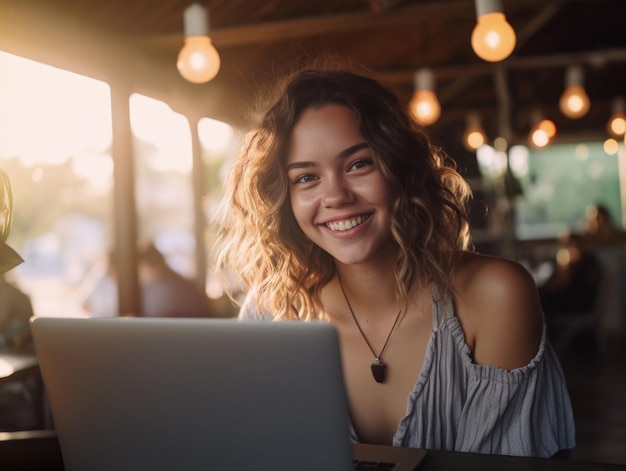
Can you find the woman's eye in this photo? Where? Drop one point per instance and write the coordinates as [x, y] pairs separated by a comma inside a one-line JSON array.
[[361, 163], [304, 179]]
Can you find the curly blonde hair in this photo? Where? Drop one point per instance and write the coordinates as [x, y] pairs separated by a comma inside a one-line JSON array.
[[259, 238]]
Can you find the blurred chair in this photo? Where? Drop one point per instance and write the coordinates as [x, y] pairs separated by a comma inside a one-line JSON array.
[[571, 326], [23, 401], [574, 297], [605, 317]]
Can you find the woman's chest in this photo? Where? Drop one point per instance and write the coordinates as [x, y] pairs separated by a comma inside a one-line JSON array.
[[376, 408]]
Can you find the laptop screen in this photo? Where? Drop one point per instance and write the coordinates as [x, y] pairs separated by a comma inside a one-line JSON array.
[[164, 394]]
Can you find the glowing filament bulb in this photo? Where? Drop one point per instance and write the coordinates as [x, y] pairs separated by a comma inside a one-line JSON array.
[[617, 122], [424, 106], [198, 61], [474, 135], [493, 38], [574, 102]]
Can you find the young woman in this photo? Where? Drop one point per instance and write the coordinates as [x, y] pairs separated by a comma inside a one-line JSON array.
[[338, 209]]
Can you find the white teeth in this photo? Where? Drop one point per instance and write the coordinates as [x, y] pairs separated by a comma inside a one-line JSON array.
[[345, 225]]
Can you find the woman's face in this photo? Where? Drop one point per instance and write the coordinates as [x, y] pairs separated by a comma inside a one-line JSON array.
[[338, 195]]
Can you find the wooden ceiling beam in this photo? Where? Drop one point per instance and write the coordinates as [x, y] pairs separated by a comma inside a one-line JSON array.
[[592, 58], [464, 81], [335, 23]]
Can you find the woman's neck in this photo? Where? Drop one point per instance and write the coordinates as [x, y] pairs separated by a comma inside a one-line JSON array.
[[370, 287]]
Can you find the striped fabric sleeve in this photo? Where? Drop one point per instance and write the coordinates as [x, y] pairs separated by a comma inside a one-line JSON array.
[[523, 412]]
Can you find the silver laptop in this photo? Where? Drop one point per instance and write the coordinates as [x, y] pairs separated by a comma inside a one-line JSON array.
[[199, 394]]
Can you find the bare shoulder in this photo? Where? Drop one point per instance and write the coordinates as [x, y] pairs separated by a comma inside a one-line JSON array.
[[495, 276], [498, 306]]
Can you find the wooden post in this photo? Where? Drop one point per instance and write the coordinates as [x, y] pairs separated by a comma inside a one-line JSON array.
[[124, 207]]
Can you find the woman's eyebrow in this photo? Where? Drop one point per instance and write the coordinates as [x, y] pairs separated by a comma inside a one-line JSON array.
[[304, 164], [353, 149], [342, 155]]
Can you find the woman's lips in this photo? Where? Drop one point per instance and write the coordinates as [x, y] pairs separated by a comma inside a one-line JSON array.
[[347, 224]]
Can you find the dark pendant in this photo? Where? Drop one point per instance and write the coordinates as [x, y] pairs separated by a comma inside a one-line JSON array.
[[379, 370]]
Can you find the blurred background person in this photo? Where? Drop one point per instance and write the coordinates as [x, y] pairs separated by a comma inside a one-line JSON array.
[[165, 292], [17, 396], [15, 305], [573, 286], [15, 312], [600, 228]]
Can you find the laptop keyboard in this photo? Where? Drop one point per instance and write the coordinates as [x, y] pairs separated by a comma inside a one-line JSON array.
[[366, 465]]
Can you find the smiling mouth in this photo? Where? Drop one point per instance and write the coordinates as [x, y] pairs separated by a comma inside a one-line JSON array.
[[347, 224]]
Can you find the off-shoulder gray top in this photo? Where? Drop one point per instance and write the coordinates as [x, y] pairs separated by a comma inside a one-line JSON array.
[[461, 406]]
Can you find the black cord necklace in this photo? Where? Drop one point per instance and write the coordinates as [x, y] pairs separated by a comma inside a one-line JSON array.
[[379, 369]]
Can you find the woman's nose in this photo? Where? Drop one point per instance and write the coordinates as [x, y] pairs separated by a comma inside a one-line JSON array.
[[336, 193]]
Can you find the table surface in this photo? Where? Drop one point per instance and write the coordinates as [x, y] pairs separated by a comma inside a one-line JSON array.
[[39, 450], [15, 366]]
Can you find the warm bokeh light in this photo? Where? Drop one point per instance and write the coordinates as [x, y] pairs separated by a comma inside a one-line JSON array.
[[474, 135], [547, 126], [574, 102], [563, 257], [500, 144], [542, 133], [424, 107], [610, 146], [539, 138], [198, 61], [493, 38], [617, 125], [475, 139]]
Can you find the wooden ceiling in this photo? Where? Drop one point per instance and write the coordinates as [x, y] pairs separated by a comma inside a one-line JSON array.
[[136, 42]]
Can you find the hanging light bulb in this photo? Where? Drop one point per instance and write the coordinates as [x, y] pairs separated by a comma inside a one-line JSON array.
[[542, 131], [616, 126], [538, 137], [574, 102], [493, 38], [198, 61], [474, 135], [547, 126], [424, 106]]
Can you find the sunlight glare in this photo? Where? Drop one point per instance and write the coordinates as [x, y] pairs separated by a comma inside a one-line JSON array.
[[154, 122], [50, 114], [96, 168], [215, 136]]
